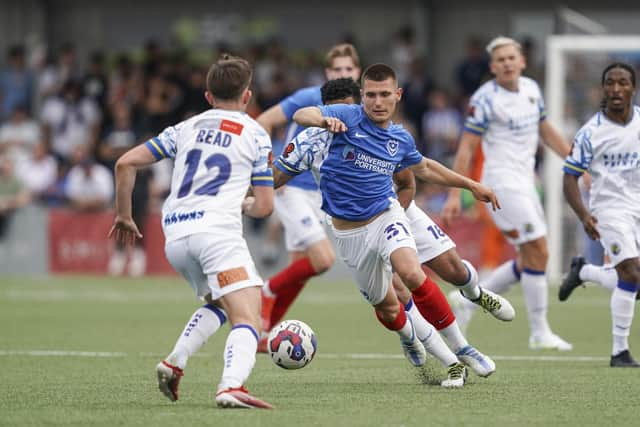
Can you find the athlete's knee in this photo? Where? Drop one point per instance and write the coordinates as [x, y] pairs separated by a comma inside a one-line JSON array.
[[323, 262], [322, 256], [413, 277]]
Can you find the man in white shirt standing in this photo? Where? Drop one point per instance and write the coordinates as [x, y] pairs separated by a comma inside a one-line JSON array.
[[507, 116]]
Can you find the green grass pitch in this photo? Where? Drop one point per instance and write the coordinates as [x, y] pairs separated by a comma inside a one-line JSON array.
[[82, 351]]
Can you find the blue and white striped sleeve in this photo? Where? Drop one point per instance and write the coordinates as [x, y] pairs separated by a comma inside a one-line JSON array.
[[579, 159], [164, 145], [478, 115], [261, 173]]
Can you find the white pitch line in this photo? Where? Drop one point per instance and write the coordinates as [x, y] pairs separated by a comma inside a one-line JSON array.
[[336, 356], [63, 353]]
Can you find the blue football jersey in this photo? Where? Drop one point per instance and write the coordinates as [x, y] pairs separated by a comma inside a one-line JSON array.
[[356, 175], [306, 97]]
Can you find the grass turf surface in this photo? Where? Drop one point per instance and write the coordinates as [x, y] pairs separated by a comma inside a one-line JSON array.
[[358, 378]]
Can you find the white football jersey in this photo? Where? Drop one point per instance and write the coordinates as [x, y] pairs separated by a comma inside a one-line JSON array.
[[509, 125], [611, 153], [305, 152], [217, 155]]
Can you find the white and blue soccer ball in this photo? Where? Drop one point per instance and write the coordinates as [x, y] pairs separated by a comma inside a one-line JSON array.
[[292, 344]]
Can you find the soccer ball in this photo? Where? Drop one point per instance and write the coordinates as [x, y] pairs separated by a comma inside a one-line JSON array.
[[292, 344]]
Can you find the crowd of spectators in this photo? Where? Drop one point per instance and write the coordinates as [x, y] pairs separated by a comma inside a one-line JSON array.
[[65, 120]]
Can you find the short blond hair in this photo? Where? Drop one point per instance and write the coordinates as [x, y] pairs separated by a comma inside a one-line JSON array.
[[339, 50], [501, 41]]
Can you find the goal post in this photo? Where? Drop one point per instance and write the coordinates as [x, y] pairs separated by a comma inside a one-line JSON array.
[[558, 50]]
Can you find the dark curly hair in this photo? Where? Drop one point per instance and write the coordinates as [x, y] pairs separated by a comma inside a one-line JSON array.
[[334, 90]]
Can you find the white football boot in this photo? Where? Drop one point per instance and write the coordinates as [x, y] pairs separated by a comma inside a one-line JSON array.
[[549, 342], [481, 364]]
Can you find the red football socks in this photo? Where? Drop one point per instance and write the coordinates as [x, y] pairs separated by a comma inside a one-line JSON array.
[[433, 305]]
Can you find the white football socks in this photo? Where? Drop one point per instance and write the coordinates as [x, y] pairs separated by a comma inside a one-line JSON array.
[[429, 337], [470, 289], [502, 278], [454, 337], [623, 302], [239, 356], [408, 330], [422, 327], [606, 276], [203, 323], [534, 287]]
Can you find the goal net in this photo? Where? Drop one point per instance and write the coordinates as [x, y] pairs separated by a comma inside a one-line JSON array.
[[573, 94]]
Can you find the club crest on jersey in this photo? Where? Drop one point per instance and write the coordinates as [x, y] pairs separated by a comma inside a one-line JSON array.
[[615, 248], [392, 147], [471, 111], [532, 100], [349, 153], [288, 150]]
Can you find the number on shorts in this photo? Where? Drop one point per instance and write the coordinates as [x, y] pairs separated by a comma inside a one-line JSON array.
[[212, 187], [436, 231], [392, 231]]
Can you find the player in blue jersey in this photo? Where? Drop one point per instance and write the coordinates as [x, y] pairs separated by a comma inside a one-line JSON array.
[[507, 117], [218, 155], [607, 147], [298, 204], [371, 228], [307, 151]]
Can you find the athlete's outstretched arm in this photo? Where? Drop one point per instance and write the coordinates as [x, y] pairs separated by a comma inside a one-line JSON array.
[[124, 229], [553, 139], [468, 144], [312, 116], [431, 171], [406, 187], [260, 204], [272, 118], [572, 194]]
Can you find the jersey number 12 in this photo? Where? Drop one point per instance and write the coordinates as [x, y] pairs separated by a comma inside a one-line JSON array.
[[212, 187]]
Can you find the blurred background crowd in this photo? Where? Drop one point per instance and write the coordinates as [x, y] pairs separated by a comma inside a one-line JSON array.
[[68, 111]]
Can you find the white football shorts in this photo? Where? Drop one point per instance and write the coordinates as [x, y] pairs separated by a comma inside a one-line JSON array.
[[430, 240], [367, 250], [521, 217], [213, 264], [302, 219], [619, 236]]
